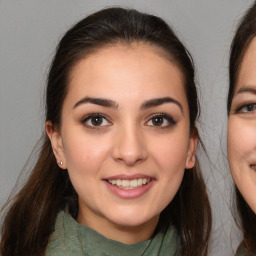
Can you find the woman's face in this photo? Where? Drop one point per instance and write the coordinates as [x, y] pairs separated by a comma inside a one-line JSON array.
[[242, 128], [125, 136]]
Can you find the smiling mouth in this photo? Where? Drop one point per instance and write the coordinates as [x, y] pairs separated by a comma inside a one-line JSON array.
[[129, 184]]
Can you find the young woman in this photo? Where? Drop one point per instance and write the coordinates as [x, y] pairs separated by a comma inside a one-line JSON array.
[[241, 127], [117, 173]]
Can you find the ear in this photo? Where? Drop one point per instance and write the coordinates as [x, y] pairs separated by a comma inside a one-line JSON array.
[[57, 145], [191, 155]]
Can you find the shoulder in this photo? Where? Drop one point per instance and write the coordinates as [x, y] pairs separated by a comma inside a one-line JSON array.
[[56, 245], [170, 242], [57, 237], [59, 243]]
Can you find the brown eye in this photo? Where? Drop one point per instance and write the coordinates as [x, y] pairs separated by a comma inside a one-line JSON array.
[[96, 120], [157, 121], [161, 120]]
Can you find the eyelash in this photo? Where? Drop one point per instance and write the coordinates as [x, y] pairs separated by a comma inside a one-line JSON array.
[[168, 118], [162, 116], [240, 109], [94, 115]]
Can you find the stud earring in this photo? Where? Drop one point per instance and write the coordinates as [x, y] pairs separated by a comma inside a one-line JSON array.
[[60, 163]]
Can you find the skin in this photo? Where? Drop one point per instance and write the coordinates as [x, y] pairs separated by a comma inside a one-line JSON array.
[[128, 141], [242, 128]]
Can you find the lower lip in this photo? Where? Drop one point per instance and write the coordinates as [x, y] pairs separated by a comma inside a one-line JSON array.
[[129, 193]]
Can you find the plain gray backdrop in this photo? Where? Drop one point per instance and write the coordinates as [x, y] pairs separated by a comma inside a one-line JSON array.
[[29, 32]]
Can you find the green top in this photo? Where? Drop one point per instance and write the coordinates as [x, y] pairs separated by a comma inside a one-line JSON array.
[[72, 238]]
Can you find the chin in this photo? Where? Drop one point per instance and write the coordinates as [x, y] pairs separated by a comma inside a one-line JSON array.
[[132, 220]]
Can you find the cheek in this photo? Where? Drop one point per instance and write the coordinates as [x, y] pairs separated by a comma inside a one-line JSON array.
[[85, 152], [241, 139], [170, 157], [170, 153]]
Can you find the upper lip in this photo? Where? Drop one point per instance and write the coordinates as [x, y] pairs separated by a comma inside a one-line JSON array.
[[129, 177]]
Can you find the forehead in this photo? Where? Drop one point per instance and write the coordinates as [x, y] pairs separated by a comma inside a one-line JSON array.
[[138, 51], [127, 69]]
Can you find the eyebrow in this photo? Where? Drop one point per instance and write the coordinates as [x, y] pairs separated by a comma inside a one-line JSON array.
[[160, 101], [247, 89], [97, 101], [112, 104]]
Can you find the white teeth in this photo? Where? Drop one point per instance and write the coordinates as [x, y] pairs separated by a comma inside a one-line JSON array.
[[133, 183], [125, 183], [129, 184]]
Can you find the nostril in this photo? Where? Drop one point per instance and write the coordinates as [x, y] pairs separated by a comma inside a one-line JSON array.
[[130, 157]]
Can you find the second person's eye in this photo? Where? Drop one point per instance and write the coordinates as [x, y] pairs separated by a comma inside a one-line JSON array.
[[247, 108]]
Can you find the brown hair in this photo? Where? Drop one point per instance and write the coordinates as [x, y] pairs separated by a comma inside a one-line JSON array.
[[48, 189], [245, 32]]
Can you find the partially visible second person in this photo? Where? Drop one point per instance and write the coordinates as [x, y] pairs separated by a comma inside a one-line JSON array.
[[242, 127]]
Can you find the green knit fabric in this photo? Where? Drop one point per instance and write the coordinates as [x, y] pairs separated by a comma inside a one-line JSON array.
[[72, 238]]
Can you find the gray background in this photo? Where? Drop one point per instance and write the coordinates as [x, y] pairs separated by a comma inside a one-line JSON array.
[[29, 32]]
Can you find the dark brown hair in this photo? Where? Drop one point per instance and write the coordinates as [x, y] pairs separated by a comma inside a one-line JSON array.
[[31, 216], [245, 32]]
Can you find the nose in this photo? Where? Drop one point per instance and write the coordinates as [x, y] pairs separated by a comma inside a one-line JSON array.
[[129, 146]]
